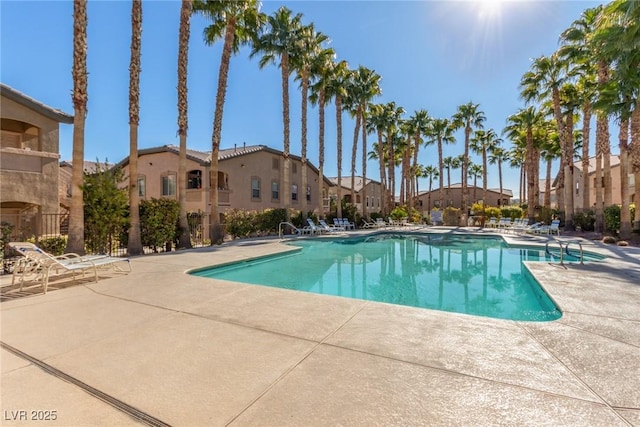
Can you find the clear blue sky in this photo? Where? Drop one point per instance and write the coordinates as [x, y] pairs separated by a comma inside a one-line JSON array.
[[434, 55]]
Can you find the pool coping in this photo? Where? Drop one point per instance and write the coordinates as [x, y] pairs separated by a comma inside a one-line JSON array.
[[312, 357]]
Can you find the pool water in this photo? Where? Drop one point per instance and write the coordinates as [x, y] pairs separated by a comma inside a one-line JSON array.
[[465, 274]]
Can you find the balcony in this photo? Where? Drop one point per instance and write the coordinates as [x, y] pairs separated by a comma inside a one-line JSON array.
[[25, 160]]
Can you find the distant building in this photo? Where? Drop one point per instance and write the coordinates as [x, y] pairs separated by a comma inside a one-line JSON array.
[[453, 197], [372, 189], [29, 156], [249, 178]]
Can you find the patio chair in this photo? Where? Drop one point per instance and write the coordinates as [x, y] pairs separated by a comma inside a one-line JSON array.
[[329, 228], [348, 225], [366, 224], [554, 227], [315, 229], [39, 263], [380, 223]]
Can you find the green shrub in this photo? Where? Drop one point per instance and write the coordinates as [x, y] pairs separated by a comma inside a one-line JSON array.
[[54, 245], [585, 220], [513, 212], [492, 211], [399, 213], [240, 223], [159, 222], [478, 209], [612, 218]]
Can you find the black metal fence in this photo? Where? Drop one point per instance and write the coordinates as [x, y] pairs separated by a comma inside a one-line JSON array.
[[51, 231]]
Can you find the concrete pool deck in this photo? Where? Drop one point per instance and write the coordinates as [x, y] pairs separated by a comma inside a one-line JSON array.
[[161, 347]]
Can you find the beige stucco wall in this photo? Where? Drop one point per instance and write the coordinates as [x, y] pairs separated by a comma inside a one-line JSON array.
[[39, 155], [453, 197]]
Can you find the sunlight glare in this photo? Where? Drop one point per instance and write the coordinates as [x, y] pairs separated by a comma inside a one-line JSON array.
[[489, 9]]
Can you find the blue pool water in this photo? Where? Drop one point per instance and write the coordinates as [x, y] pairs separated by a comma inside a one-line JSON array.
[[466, 274]]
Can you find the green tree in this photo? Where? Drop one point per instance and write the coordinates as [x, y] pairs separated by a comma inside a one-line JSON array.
[[278, 43], [105, 209], [79, 98], [184, 240], [468, 117], [441, 132], [237, 23], [134, 245]]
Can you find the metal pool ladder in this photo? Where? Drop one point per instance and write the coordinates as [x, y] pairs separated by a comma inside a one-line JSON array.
[[298, 232], [565, 249]]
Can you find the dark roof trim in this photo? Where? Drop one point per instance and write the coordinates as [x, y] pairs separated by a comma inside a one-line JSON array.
[[22, 99]]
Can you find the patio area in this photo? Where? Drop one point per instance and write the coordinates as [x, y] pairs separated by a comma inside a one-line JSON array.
[[159, 347]]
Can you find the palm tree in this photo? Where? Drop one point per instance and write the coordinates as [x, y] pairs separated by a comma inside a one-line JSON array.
[[476, 171], [526, 121], [550, 151], [392, 115], [184, 241], [310, 44], [79, 98], [482, 143], [420, 122], [377, 123], [449, 162], [468, 117], [237, 22], [543, 81], [441, 132], [498, 155], [365, 86], [430, 172], [321, 70], [134, 245], [337, 89], [279, 43]]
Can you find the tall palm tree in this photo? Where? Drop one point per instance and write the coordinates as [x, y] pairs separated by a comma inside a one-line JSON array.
[[441, 132], [310, 44], [482, 143], [184, 240], [392, 114], [550, 151], [378, 123], [543, 82], [449, 162], [430, 172], [237, 23], [134, 245], [321, 69], [337, 89], [468, 117], [79, 98], [475, 171], [525, 121], [498, 155], [278, 43], [420, 122], [365, 85]]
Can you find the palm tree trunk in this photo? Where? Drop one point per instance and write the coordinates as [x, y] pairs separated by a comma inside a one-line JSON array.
[[184, 241], [484, 178], [303, 152], [547, 186], [500, 179], [339, 152], [134, 246], [363, 193], [391, 165], [568, 174], [625, 214], [599, 226], [465, 167], [635, 160], [586, 129], [441, 173], [354, 153], [75, 242], [603, 138], [383, 175], [284, 67], [320, 153], [215, 233]]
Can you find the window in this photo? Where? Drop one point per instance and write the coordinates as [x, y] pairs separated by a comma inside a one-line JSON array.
[[367, 201], [255, 188], [294, 167], [169, 185], [577, 188], [275, 163], [308, 193], [294, 192], [142, 186], [194, 179], [275, 192]]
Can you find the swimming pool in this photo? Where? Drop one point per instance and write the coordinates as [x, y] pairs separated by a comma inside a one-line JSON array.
[[476, 275]]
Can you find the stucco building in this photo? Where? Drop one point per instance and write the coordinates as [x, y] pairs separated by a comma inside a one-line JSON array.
[[453, 197], [29, 160], [372, 192], [249, 178]]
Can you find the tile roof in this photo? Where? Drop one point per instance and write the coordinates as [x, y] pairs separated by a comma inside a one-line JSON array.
[[50, 112]]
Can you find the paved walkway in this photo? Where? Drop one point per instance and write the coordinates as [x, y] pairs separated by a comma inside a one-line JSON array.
[[160, 347]]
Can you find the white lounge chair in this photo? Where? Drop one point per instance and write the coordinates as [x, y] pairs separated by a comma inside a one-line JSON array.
[[329, 228], [39, 263], [366, 224]]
